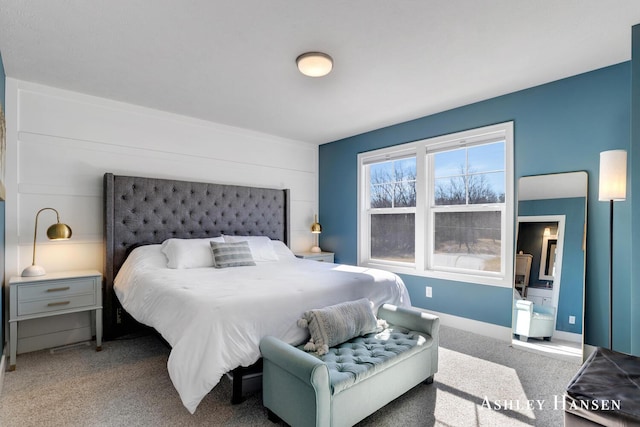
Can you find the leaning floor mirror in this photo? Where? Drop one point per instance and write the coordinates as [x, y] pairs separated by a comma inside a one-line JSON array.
[[549, 273]]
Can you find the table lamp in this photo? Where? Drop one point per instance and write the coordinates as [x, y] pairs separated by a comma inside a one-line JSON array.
[[316, 229], [57, 231]]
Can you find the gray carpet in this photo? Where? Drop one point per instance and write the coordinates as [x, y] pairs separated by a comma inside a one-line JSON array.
[[481, 382]]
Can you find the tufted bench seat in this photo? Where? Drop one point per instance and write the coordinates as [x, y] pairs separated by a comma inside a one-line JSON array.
[[355, 378]]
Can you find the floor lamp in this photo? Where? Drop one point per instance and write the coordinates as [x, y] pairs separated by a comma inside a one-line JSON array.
[[612, 188]]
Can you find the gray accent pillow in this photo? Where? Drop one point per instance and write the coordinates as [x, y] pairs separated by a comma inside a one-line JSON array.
[[231, 254], [338, 323]]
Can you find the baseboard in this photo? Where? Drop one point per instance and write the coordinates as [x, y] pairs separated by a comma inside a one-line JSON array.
[[501, 333], [490, 330]]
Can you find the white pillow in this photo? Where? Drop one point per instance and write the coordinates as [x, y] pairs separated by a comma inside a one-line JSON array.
[[282, 250], [189, 253], [261, 246]]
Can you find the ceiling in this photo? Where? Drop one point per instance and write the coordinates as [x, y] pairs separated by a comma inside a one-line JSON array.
[[233, 62]]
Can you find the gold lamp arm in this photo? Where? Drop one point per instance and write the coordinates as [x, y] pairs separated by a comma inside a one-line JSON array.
[[35, 231]]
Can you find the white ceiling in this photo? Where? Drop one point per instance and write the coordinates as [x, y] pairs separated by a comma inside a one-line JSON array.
[[233, 62]]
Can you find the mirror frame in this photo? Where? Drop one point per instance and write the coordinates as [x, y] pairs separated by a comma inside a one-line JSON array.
[[543, 187], [545, 256]]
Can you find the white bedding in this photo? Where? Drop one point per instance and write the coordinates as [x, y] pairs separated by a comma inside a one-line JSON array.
[[214, 318]]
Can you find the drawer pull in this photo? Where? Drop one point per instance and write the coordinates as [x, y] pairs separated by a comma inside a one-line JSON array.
[[64, 288], [53, 304]]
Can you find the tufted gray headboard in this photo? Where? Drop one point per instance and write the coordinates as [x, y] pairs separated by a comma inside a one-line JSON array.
[[141, 211]]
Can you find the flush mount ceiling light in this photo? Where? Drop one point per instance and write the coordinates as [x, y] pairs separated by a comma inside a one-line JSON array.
[[314, 64]]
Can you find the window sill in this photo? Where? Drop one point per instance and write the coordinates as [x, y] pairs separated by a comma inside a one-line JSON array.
[[441, 275]]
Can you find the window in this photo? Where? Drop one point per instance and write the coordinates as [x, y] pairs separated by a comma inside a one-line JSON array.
[[392, 210], [467, 207], [440, 207]]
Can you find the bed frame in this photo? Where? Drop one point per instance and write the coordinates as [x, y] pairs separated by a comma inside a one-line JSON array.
[[141, 211]]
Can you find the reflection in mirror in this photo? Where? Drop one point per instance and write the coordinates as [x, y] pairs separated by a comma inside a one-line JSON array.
[[543, 286], [548, 254], [548, 309]]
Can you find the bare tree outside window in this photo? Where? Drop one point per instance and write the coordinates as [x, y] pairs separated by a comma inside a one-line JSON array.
[[393, 184], [393, 237], [464, 236]]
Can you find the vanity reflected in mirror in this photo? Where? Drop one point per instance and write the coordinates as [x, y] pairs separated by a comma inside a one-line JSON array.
[[549, 273]]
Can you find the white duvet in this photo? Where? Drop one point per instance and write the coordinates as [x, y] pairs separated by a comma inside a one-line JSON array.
[[214, 318]]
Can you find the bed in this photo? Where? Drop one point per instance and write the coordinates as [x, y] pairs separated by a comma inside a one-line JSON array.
[[214, 318]]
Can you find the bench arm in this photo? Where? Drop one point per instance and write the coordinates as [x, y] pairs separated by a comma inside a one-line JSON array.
[[303, 376], [301, 364], [412, 319]]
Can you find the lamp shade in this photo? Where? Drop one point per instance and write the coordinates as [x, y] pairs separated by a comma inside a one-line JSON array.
[[613, 175], [59, 231], [316, 228], [314, 64]]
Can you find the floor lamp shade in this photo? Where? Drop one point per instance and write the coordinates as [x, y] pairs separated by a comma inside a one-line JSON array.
[[613, 176], [57, 231]]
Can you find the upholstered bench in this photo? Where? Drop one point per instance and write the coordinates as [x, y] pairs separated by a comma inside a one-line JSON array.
[[352, 379]]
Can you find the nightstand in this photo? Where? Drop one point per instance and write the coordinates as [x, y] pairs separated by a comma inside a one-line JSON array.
[[316, 256], [52, 295]]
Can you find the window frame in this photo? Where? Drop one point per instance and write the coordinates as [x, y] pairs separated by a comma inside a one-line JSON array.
[[424, 212], [364, 219]]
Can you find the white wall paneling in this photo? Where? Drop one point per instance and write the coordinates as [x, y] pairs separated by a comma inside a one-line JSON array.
[[60, 144]]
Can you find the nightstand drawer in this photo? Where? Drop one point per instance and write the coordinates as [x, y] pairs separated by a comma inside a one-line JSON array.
[[55, 304], [322, 258], [55, 289], [316, 256]]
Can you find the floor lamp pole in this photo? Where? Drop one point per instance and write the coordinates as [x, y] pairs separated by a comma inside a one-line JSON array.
[[610, 274], [612, 187]]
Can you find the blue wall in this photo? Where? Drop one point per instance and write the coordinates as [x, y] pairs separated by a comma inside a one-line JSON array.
[[559, 127], [635, 184]]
